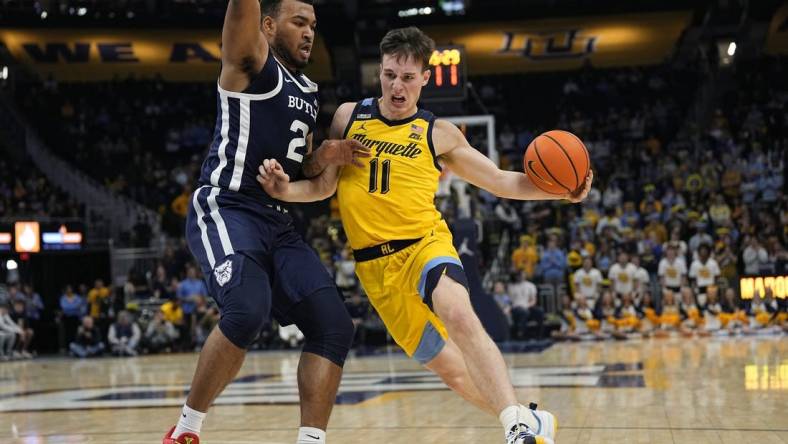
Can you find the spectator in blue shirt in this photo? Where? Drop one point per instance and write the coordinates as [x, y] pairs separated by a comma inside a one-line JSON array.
[[191, 289], [33, 303], [553, 263], [72, 307]]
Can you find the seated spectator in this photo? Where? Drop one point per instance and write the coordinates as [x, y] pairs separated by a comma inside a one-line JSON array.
[[290, 335], [87, 342], [345, 271], [72, 308], [9, 334], [33, 303], [733, 315], [586, 321], [160, 334], [626, 318], [173, 313], [19, 316], [605, 312], [207, 318], [124, 335], [648, 314], [691, 317], [525, 308], [568, 329], [503, 300], [670, 315]]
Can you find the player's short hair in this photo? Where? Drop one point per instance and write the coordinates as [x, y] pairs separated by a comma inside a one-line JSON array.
[[408, 42], [272, 7]]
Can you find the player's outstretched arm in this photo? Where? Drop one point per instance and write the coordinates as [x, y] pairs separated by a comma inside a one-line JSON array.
[[335, 151], [468, 163], [244, 48]]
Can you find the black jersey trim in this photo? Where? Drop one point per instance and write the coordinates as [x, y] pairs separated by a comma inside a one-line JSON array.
[[431, 145], [352, 119]]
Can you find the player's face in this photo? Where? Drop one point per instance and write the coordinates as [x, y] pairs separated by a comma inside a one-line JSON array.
[[295, 33], [401, 80]]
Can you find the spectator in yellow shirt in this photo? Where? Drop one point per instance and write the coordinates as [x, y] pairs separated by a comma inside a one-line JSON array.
[[525, 257], [98, 298], [180, 205], [172, 311]]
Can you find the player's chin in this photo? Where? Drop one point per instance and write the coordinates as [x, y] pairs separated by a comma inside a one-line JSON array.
[[302, 56]]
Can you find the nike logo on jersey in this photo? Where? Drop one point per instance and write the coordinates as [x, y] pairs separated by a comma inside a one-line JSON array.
[[288, 81]]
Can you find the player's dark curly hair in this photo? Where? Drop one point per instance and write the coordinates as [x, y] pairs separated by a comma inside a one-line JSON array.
[[272, 7], [408, 42]]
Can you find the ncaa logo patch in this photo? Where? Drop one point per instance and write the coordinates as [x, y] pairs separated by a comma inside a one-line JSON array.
[[223, 273]]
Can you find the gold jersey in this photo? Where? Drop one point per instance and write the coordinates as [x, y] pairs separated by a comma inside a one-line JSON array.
[[393, 196]]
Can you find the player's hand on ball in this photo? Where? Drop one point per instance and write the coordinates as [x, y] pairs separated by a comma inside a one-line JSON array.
[[343, 152], [581, 193], [273, 178]]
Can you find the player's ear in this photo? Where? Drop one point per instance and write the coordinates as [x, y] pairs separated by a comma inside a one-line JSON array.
[[268, 25], [426, 76]]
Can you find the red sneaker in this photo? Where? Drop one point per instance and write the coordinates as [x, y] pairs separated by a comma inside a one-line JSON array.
[[185, 438]]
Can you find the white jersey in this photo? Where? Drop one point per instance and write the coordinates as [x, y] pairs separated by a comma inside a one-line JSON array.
[[622, 278], [704, 274], [587, 283], [642, 279], [672, 272]]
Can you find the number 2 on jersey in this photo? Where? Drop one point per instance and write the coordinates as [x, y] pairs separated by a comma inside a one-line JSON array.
[[298, 142], [385, 174]]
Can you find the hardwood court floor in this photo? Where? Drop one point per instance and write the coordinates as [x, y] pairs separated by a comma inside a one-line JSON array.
[[653, 391]]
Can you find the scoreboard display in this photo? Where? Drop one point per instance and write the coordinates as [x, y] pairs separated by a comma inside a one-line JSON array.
[[448, 74]]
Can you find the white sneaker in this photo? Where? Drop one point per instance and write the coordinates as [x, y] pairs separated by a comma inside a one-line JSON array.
[[27, 355], [547, 427]]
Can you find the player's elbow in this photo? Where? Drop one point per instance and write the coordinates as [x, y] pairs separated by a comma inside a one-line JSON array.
[[328, 190]]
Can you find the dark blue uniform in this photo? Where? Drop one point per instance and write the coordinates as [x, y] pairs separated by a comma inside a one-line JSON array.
[[242, 237]]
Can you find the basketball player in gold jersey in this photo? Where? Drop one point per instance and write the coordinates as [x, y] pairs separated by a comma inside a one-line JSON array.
[[404, 255]]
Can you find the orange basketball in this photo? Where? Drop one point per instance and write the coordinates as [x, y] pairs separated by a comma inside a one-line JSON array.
[[557, 162]]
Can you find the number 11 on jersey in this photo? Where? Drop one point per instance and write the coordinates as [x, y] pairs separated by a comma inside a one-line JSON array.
[[385, 174]]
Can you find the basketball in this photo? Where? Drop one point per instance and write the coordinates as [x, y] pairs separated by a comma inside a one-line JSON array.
[[557, 162]]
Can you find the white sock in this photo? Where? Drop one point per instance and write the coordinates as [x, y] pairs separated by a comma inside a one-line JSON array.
[[190, 421], [311, 435]]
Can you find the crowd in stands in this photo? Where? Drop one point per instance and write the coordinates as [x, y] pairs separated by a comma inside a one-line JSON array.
[[676, 215], [147, 143], [25, 192]]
